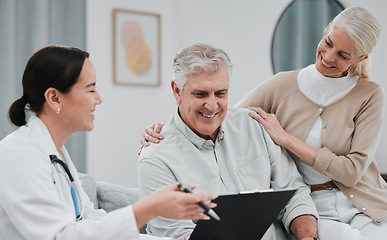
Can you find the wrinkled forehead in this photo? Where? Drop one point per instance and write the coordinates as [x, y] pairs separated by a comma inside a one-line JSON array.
[[208, 81]]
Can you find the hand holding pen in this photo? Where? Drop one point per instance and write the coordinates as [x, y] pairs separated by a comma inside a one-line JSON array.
[[170, 202], [209, 212]]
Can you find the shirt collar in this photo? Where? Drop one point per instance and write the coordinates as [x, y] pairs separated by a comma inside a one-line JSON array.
[[44, 136], [199, 142]]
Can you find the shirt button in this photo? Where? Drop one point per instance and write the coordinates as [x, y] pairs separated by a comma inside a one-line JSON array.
[[226, 179], [351, 196], [325, 126], [320, 109], [378, 221], [363, 209]]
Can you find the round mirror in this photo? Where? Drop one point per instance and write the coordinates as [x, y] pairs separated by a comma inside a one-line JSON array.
[[298, 32]]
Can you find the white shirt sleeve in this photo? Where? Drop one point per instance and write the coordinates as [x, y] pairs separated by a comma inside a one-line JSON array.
[[31, 206]]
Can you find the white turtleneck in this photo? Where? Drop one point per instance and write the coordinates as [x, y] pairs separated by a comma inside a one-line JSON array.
[[323, 91]]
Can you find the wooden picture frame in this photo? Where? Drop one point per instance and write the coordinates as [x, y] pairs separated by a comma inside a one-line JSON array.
[[136, 48]]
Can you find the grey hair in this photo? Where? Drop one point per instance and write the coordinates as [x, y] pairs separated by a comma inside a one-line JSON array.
[[197, 58], [364, 29]]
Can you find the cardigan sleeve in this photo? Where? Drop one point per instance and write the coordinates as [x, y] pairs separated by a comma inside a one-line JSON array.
[[269, 93], [350, 168]]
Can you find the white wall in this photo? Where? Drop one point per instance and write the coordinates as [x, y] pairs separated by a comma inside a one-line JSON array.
[[126, 110], [242, 28]]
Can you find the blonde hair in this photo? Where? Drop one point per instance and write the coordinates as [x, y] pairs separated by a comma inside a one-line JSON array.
[[364, 29]]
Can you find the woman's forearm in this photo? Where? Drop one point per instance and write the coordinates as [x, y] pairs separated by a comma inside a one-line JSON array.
[[301, 149]]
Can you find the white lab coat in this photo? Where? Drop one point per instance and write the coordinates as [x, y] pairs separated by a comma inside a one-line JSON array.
[[32, 206]]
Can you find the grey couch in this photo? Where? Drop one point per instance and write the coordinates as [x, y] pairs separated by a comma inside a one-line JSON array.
[[109, 196]]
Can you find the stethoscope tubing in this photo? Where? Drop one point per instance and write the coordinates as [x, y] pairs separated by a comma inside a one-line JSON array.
[[55, 159]]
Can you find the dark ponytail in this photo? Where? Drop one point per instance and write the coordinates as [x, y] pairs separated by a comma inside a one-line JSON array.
[[53, 66], [17, 113]]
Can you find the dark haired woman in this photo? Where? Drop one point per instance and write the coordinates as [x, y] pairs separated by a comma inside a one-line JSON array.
[[41, 196]]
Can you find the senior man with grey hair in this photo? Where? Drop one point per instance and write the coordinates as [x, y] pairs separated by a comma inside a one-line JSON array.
[[222, 150]]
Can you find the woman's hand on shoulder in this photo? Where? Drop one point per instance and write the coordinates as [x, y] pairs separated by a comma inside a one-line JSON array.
[[271, 124], [152, 134]]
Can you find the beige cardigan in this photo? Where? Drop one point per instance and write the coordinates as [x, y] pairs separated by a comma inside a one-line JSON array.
[[349, 137]]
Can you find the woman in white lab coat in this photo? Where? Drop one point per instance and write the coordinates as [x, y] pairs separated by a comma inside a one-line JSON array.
[[41, 196]]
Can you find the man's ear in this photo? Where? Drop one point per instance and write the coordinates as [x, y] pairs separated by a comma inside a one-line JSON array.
[[53, 99], [176, 91]]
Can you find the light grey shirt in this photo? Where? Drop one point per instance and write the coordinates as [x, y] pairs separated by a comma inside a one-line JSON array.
[[243, 157]]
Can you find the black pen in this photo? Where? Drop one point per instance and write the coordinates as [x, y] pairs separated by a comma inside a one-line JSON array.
[[209, 212]]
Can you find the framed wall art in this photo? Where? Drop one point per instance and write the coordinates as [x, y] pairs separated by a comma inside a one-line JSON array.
[[136, 48]]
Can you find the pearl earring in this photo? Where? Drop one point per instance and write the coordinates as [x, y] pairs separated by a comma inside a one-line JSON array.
[[57, 111]]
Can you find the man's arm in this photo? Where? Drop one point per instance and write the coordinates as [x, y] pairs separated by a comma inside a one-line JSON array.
[[300, 214], [153, 174], [304, 227]]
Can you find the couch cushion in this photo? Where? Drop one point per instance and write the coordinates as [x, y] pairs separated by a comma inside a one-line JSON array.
[[113, 196], [89, 185]]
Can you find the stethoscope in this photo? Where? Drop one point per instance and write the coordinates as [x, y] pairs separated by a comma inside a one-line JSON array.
[[55, 159]]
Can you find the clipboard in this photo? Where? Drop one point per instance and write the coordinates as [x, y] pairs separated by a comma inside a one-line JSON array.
[[246, 215]]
